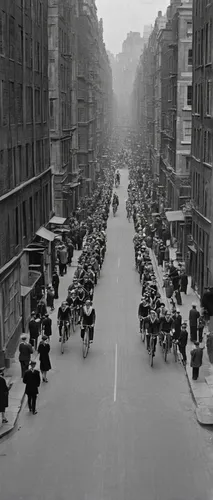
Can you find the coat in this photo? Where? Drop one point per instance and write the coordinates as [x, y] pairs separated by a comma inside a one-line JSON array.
[[43, 350], [55, 280], [33, 329], [47, 326], [196, 357], [193, 317], [3, 394], [88, 319], [50, 297], [32, 381], [183, 339], [63, 256], [25, 351]]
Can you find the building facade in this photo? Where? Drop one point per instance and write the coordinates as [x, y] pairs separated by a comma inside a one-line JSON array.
[[62, 19], [201, 247], [25, 173]]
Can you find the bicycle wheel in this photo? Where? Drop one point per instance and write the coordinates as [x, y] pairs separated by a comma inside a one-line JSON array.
[[165, 352], [85, 346], [62, 339], [175, 352], [151, 352], [73, 321]]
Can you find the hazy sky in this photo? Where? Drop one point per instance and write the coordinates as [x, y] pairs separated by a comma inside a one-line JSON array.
[[122, 16]]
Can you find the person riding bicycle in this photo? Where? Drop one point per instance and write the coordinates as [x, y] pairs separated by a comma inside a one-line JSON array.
[[166, 327], [117, 176], [115, 200], [63, 317], [71, 299], [88, 287], [143, 312], [152, 328], [88, 319]]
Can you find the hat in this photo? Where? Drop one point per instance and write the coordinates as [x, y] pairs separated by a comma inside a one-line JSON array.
[[2, 369], [184, 323], [46, 314], [24, 336], [196, 343], [177, 310], [44, 337], [33, 363]]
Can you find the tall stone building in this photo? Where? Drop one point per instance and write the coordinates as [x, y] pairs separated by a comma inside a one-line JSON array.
[[201, 245], [62, 19], [25, 173], [94, 92]]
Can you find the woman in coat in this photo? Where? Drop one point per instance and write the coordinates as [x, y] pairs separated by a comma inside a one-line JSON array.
[[50, 297], [3, 396], [43, 350]]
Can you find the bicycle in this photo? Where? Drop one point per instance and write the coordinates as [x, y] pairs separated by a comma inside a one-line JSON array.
[[166, 343], [73, 319], [65, 333], [142, 329], [114, 209], [151, 349], [175, 349], [86, 340]]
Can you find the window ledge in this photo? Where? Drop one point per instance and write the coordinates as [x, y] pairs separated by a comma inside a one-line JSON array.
[[208, 64], [186, 142], [187, 108], [207, 164], [207, 116]]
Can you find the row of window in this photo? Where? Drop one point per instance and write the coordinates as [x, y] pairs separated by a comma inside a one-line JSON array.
[[203, 45], [202, 102], [20, 163], [12, 104], [202, 145], [13, 46]]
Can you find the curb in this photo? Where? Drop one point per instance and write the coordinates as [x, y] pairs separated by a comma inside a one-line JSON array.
[[204, 413], [8, 428]]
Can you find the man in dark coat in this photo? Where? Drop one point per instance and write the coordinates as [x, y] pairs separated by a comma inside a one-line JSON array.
[[183, 281], [25, 351], [33, 330], [182, 341], [193, 322], [47, 326], [196, 360], [177, 320], [32, 381], [55, 282], [3, 396]]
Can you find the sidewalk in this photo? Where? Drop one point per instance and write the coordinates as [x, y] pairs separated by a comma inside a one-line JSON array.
[[13, 374], [201, 389]]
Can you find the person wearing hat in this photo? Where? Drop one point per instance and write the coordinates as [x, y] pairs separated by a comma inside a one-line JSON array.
[[33, 330], [177, 321], [43, 350], [32, 381], [196, 360], [47, 326], [25, 351], [182, 341], [3, 396], [55, 282], [193, 322]]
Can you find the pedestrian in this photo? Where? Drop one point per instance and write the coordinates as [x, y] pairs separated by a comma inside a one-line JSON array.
[[177, 321], [55, 282], [47, 326], [193, 322], [3, 396], [70, 250], [43, 350], [50, 297], [201, 324], [182, 342], [25, 351], [32, 381], [183, 281], [196, 360], [33, 330], [63, 259]]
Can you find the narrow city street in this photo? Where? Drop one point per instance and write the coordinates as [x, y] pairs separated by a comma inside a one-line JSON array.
[[110, 427]]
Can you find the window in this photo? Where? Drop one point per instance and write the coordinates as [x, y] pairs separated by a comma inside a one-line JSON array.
[[37, 57], [15, 176], [189, 95], [19, 148], [208, 32], [12, 103], [190, 57], [45, 106], [187, 163], [10, 168], [24, 219], [189, 28], [37, 105], [20, 45], [11, 37], [17, 226], [2, 32], [29, 104], [207, 147], [19, 102], [208, 97], [27, 160], [31, 215], [38, 156], [187, 130]]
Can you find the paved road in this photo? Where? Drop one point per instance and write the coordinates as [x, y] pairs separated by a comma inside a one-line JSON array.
[[110, 427]]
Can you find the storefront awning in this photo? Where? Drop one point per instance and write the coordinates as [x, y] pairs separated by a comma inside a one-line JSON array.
[[45, 234], [192, 248], [88, 179], [30, 281], [74, 184], [175, 216], [57, 220]]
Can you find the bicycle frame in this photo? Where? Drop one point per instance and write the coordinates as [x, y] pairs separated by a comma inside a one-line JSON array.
[[86, 341], [151, 349]]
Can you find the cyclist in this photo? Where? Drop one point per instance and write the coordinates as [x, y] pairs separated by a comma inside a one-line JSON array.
[[63, 317], [152, 328], [166, 328], [143, 312], [115, 200], [88, 319], [88, 287]]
